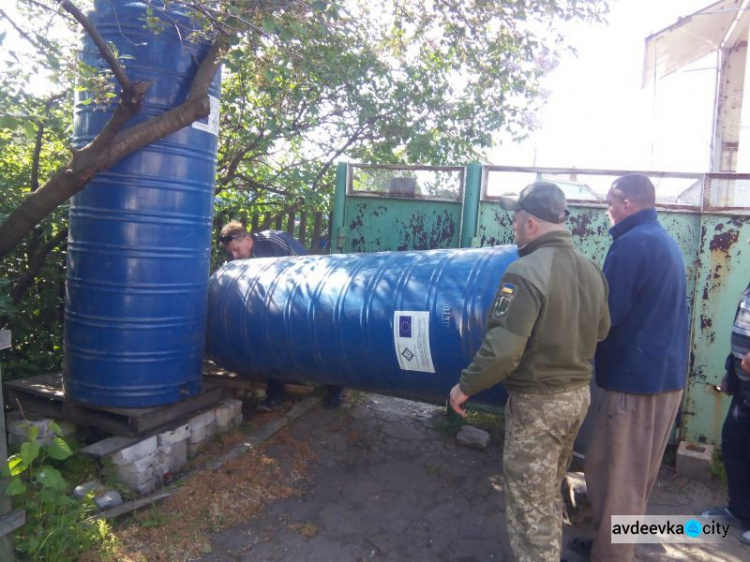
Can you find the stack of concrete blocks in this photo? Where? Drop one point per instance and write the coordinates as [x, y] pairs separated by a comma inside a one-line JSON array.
[[173, 450], [228, 414], [18, 429], [135, 466], [221, 419]]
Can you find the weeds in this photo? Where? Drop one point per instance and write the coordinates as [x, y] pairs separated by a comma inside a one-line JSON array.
[[58, 527]]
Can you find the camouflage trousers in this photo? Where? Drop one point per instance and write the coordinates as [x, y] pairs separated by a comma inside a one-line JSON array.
[[539, 434]]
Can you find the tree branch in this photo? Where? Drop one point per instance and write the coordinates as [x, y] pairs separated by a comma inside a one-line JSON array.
[[36, 262], [102, 154], [100, 43]]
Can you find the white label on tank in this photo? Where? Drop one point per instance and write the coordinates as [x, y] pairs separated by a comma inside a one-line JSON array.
[[411, 338], [210, 123]]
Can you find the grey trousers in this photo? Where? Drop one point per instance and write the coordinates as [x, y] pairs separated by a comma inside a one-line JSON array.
[[623, 459]]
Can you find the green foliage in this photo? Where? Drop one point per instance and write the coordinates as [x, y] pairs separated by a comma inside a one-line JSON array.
[[304, 85], [58, 528]]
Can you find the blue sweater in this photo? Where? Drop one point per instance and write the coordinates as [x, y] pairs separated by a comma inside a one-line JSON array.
[[646, 351]]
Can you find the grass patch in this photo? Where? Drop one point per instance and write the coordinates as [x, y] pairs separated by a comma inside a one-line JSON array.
[[492, 423], [717, 467]]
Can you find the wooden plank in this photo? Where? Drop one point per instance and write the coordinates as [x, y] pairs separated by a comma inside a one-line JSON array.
[[108, 446], [130, 506], [106, 421], [12, 521], [46, 386], [4, 339], [167, 414], [31, 404]]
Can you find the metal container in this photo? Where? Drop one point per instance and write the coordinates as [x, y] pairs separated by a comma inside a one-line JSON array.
[[140, 232], [398, 323]]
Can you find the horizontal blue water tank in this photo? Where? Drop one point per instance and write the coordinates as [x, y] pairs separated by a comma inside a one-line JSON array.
[[396, 323], [140, 233]]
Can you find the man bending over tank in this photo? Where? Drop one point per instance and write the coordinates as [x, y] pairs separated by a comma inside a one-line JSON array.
[[240, 244]]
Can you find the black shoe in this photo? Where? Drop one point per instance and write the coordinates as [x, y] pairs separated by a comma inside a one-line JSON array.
[[581, 545], [270, 404]]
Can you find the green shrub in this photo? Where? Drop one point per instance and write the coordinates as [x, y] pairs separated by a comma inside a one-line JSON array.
[[58, 527]]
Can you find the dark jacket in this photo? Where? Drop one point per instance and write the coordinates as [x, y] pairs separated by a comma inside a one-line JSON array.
[[646, 351], [549, 312], [275, 244]]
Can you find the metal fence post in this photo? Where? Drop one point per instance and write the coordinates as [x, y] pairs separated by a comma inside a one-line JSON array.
[[338, 233], [470, 211]]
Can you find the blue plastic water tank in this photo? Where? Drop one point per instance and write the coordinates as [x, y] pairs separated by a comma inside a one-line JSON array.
[[140, 233], [396, 323]]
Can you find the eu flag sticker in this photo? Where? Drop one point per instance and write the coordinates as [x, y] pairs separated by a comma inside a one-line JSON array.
[[404, 327]]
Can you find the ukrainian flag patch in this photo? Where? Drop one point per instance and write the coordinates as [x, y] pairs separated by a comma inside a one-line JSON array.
[[507, 289]]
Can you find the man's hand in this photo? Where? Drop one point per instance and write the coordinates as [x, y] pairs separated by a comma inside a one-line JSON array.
[[457, 399]]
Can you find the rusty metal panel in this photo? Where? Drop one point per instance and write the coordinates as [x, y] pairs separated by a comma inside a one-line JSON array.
[[379, 224], [723, 272]]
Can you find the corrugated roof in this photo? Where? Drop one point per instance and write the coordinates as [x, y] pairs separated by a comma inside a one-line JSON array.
[[695, 36]]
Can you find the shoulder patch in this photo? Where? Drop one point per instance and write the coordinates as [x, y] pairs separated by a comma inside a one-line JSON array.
[[503, 300]]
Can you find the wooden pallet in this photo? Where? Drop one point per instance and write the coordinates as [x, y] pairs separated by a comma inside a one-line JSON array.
[[43, 395]]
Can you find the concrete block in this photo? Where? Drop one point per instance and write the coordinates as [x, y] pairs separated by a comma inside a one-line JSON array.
[[179, 455], [237, 420], [135, 478], [20, 428], [200, 426], [144, 487], [224, 415], [131, 454], [211, 429], [91, 486], [173, 436], [110, 498], [694, 460], [197, 434], [234, 404], [473, 437]]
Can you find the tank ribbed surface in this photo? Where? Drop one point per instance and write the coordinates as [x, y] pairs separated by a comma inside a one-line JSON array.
[[140, 232], [398, 323]]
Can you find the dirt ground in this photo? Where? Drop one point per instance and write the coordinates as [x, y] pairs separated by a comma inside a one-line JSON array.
[[383, 479]]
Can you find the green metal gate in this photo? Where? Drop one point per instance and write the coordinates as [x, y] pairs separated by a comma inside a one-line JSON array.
[[388, 208]]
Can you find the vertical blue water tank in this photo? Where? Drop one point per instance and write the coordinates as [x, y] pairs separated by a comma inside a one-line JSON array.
[[140, 232], [398, 323]]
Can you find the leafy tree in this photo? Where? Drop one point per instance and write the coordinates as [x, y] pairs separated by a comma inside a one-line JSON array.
[[304, 83]]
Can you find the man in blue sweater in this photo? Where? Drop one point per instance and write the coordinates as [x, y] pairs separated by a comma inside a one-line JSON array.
[[641, 365]]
